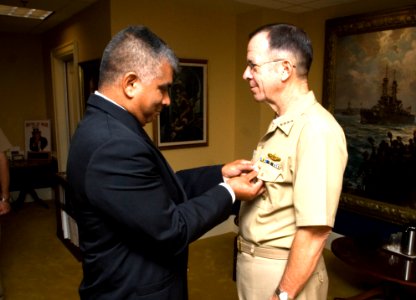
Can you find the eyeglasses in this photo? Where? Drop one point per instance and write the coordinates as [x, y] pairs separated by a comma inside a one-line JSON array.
[[252, 65]]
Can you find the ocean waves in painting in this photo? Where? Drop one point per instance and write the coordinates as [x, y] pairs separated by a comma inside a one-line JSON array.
[[382, 160]]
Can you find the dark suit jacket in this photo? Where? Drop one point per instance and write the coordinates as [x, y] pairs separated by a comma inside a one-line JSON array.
[[136, 217]]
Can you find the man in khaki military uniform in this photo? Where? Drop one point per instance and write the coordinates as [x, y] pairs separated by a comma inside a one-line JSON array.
[[301, 159]]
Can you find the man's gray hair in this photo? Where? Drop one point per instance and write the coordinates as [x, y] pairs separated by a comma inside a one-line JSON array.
[[135, 49]]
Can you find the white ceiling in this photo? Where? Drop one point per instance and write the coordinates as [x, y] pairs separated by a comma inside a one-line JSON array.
[[64, 9]]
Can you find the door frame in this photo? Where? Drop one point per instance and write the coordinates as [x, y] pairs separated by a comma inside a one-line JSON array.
[[66, 98]]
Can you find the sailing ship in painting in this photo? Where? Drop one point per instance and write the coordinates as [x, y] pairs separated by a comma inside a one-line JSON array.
[[389, 109], [381, 148]]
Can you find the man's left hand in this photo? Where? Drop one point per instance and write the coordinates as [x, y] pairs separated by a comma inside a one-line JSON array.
[[236, 168]]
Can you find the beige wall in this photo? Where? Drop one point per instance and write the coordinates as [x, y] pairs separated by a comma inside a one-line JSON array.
[[25, 80], [218, 35], [195, 34], [89, 30], [22, 86]]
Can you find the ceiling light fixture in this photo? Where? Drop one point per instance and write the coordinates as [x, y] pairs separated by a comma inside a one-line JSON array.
[[24, 12]]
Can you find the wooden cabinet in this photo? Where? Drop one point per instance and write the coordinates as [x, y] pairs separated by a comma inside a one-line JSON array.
[[67, 229]]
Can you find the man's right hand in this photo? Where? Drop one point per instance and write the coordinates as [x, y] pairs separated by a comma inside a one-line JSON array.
[[246, 187]]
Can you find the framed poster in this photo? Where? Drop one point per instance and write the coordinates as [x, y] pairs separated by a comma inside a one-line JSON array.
[[37, 139], [370, 87], [185, 122]]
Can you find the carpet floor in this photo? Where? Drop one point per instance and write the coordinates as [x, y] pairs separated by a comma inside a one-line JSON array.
[[35, 265]]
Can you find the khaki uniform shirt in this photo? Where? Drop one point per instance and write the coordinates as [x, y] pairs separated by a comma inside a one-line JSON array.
[[301, 159]]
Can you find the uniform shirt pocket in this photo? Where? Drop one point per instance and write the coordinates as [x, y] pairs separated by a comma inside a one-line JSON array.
[[273, 171]]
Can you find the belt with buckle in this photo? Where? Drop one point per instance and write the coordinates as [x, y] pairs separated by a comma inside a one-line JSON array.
[[261, 251]]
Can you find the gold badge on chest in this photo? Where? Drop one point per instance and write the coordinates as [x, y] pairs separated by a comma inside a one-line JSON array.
[[273, 157]]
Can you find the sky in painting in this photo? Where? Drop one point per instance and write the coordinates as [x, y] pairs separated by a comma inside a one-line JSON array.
[[363, 60]]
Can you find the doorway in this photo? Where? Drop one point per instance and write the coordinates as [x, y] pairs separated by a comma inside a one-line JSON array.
[[66, 98]]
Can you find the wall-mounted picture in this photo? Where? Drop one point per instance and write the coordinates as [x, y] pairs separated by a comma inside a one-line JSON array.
[[38, 139], [185, 122], [370, 86]]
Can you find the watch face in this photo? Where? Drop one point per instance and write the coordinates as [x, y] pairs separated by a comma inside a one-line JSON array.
[[283, 296]]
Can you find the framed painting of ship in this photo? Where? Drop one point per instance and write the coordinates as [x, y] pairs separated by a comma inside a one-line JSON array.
[[370, 87]]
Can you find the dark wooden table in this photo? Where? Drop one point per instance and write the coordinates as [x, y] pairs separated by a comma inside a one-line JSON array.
[[28, 175], [396, 272]]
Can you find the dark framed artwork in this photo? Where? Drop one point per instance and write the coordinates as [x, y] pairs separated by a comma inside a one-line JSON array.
[[89, 74], [370, 86], [185, 122]]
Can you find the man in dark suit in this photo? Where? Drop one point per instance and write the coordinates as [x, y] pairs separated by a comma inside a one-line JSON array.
[[136, 217]]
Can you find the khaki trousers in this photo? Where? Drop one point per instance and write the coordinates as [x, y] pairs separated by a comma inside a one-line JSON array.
[[258, 278]]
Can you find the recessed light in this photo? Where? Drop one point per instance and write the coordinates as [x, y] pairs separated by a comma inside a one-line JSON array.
[[24, 12]]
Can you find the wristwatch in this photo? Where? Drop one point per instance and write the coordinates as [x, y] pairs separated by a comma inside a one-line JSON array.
[[282, 295]]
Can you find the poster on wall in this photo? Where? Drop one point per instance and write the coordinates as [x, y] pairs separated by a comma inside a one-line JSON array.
[[37, 139]]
